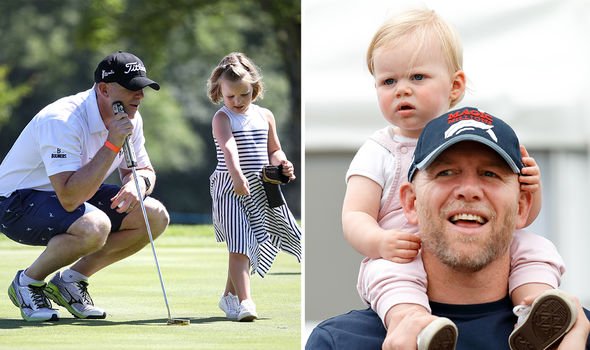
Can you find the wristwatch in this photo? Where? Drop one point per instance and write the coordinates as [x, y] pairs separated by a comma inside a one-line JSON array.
[[148, 184]]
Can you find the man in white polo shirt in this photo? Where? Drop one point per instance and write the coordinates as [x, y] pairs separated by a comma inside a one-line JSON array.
[[52, 192]]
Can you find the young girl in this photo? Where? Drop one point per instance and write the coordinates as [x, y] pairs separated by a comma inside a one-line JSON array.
[[246, 140], [416, 60]]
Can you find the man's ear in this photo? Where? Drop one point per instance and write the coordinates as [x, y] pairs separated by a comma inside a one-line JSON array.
[[407, 195], [103, 89], [525, 201]]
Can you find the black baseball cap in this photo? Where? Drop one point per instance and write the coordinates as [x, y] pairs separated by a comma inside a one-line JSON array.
[[126, 69], [466, 124]]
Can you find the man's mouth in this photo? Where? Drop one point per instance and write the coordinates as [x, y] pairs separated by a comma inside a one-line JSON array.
[[468, 219]]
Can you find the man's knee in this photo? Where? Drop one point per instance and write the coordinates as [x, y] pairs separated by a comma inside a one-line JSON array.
[[158, 216], [92, 230]]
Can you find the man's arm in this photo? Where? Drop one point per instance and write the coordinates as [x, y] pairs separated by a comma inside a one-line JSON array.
[[75, 187]]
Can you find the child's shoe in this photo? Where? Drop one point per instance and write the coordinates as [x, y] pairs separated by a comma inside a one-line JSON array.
[[247, 311], [230, 304], [440, 334], [544, 323]]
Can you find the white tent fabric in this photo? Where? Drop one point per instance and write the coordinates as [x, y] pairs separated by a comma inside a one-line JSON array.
[[526, 61]]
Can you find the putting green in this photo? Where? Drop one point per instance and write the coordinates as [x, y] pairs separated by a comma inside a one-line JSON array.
[[194, 269]]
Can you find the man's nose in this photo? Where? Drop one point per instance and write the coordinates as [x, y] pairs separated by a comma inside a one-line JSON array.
[[139, 94], [469, 187]]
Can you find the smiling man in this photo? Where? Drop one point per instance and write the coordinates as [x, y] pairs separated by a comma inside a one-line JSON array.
[[52, 192], [464, 194]]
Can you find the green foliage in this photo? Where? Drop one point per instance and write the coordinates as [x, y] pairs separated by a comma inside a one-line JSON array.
[[10, 96], [168, 136]]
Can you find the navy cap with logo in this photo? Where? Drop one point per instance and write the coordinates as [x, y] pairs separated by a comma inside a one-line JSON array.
[[126, 69], [466, 124]]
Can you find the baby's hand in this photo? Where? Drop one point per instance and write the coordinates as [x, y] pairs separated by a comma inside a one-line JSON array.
[[399, 247], [530, 180]]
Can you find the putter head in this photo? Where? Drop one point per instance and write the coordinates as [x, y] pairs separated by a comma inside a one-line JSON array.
[[178, 322]]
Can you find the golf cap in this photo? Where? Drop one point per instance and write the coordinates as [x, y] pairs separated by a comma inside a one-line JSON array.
[[466, 124], [126, 69]]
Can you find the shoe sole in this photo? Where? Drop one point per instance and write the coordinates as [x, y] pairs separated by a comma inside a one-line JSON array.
[[52, 292], [247, 318], [443, 338], [552, 315], [13, 298]]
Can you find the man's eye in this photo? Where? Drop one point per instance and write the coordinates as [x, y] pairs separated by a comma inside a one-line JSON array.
[[445, 173], [490, 174], [389, 81], [418, 77]]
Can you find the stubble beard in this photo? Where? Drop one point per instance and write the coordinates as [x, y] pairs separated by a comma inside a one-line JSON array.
[[482, 250]]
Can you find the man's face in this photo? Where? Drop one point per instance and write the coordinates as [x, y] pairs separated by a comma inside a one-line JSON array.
[[131, 99], [468, 204]]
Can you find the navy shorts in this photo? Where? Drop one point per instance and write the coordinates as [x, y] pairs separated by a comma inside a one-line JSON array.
[[33, 217]]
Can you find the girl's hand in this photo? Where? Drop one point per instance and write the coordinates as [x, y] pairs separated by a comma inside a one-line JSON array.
[[530, 180], [288, 169], [241, 185], [399, 247]]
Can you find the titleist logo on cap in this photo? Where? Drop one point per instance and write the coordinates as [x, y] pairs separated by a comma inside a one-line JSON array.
[[134, 67]]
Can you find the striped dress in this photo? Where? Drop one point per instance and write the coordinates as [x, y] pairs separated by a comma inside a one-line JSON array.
[[248, 224]]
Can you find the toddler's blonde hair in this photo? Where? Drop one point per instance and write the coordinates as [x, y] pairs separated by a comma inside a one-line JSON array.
[[235, 66], [421, 26]]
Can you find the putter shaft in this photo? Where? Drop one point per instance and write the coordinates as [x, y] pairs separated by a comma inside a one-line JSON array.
[[149, 231], [131, 161]]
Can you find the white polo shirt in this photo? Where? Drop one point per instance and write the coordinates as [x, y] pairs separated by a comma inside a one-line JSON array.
[[63, 136]]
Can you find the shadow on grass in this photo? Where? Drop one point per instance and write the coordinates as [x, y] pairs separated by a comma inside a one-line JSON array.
[[8, 323], [284, 273]]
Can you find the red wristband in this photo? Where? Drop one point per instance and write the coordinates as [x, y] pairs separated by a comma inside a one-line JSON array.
[[108, 144]]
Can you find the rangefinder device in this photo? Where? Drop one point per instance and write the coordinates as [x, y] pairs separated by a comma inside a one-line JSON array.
[[127, 145]]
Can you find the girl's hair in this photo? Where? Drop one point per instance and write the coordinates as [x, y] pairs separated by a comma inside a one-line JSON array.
[[234, 67], [422, 26]]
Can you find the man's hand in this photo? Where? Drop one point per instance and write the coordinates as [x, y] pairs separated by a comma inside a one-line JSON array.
[[119, 128], [126, 199], [577, 337]]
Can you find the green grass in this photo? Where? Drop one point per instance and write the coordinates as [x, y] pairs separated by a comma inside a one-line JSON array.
[[194, 269]]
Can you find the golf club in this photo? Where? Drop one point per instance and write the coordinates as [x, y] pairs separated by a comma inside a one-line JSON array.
[[131, 160]]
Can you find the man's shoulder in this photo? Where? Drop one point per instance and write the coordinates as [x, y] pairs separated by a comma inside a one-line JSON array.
[[66, 109], [357, 329]]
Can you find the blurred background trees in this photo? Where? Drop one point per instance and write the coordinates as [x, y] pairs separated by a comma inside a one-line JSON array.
[[50, 48]]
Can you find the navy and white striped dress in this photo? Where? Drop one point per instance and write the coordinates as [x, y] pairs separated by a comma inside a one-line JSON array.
[[247, 223]]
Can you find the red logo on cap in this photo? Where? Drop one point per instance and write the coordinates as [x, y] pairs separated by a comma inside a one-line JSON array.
[[470, 114]]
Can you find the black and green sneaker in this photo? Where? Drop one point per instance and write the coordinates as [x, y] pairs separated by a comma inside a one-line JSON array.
[[33, 304], [74, 297]]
